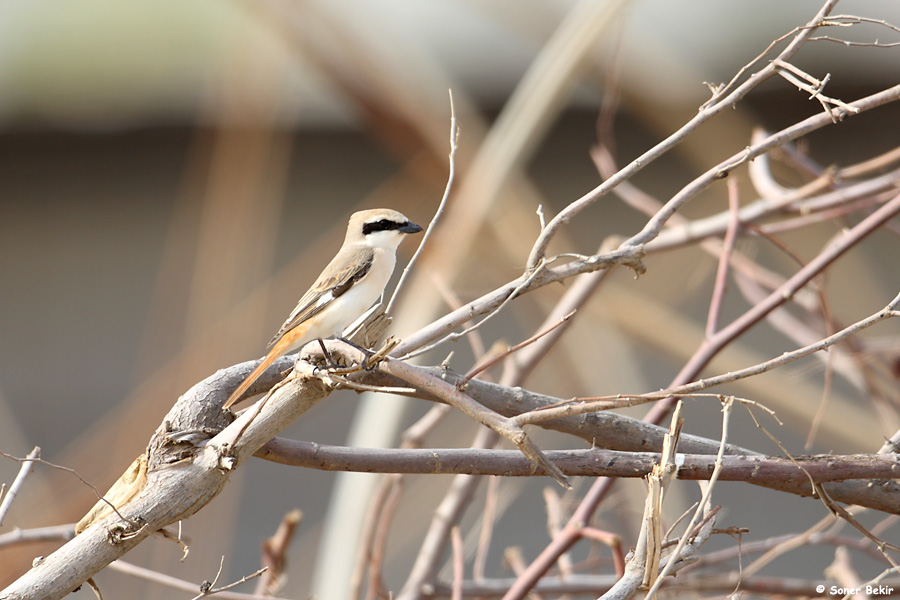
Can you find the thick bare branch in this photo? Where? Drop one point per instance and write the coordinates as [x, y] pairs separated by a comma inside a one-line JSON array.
[[594, 462], [190, 458]]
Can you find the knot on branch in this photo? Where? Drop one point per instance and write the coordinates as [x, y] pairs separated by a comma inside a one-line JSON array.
[[120, 532], [629, 256]]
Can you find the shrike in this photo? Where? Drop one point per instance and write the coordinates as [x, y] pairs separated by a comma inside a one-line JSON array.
[[350, 284]]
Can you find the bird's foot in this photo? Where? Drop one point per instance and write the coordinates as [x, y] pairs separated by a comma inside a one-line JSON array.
[[367, 354]]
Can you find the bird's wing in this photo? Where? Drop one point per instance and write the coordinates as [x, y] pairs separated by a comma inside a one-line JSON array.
[[337, 278]]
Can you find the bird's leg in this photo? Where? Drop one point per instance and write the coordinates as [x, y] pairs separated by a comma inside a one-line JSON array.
[[329, 362]]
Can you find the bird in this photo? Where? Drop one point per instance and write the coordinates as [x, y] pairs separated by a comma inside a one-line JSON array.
[[351, 283]]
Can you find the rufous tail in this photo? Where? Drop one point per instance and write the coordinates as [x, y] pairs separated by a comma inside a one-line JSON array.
[[236, 394]]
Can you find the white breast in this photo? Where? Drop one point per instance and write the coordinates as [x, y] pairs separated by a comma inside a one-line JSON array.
[[348, 307]]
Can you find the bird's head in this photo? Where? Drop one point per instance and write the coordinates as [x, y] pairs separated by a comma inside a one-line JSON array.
[[380, 228]]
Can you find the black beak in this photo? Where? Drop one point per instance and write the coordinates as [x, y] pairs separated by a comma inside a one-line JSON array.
[[410, 228]]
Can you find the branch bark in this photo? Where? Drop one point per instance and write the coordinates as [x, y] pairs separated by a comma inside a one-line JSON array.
[[589, 462], [189, 461]]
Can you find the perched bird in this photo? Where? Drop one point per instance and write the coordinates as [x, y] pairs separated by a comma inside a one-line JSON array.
[[351, 283]]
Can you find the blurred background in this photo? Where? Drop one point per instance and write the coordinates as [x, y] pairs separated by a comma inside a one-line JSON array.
[[173, 175]]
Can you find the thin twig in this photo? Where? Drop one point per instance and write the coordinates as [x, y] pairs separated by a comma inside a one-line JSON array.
[[548, 413], [459, 573], [653, 227], [100, 497], [706, 112], [889, 311], [454, 138], [721, 282], [487, 529], [458, 399], [601, 487], [512, 349], [448, 513], [180, 584], [54, 533], [19, 481], [519, 288], [274, 553], [555, 521], [383, 507], [713, 346], [704, 506], [225, 588]]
